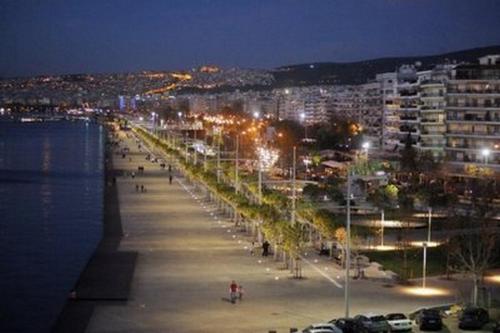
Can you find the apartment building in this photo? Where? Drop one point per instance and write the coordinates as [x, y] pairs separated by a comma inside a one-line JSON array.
[[473, 115], [432, 115]]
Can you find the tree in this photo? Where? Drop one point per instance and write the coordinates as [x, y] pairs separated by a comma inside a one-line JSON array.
[[475, 247], [408, 158]]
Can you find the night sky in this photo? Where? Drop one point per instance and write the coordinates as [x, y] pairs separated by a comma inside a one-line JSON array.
[[75, 36]]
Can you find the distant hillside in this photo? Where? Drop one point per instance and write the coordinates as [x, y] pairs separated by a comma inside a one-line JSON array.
[[362, 71]]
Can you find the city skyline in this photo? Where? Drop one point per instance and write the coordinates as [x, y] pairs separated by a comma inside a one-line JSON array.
[[72, 37]]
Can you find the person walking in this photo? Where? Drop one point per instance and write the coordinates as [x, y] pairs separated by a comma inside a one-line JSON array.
[[240, 292], [137, 187], [170, 179], [265, 248], [233, 290], [252, 249], [142, 188]]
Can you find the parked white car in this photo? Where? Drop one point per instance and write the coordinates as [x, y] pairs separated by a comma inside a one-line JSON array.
[[399, 322], [322, 328]]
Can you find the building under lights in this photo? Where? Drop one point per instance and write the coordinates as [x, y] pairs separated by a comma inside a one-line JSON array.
[[473, 115]]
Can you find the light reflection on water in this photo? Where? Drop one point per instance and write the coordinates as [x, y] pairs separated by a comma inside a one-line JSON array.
[[51, 183]]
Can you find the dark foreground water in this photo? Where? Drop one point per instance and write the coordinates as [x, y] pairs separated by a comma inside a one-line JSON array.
[[51, 200]]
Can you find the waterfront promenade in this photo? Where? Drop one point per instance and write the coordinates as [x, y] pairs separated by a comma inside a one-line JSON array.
[[188, 255]]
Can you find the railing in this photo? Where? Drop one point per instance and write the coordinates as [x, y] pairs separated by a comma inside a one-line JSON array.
[[473, 91], [474, 105], [408, 118]]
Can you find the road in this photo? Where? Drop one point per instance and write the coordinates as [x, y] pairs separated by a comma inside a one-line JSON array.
[[188, 255]]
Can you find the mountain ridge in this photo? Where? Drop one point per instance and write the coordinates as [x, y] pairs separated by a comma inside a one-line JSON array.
[[358, 72]]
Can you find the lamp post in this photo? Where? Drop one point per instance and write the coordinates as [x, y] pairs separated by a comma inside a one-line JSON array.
[[236, 165], [260, 180], [424, 268], [429, 224], [366, 147], [303, 119], [153, 120], [348, 245], [218, 160], [486, 153], [205, 153], [194, 146], [382, 222], [425, 245], [294, 185], [186, 144], [350, 178]]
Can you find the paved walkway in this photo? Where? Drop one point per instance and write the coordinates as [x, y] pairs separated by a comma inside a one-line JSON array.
[[188, 255]]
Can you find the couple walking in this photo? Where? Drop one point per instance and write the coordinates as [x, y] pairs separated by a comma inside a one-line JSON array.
[[235, 292]]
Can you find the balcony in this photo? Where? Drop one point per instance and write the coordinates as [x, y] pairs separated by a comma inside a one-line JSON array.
[[406, 129], [485, 135], [473, 91], [406, 93], [473, 105], [408, 118], [431, 121], [431, 95], [475, 118]]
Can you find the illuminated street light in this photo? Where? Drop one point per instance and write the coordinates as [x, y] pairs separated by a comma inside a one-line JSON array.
[[256, 114], [426, 292], [366, 146], [303, 120], [486, 153]]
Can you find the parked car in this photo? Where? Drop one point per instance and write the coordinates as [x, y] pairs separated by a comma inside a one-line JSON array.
[[348, 325], [473, 318], [398, 322], [429, 319], [374, 323], [322, 328]]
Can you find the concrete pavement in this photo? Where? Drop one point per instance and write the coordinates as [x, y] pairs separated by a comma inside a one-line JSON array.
[[188, 255]]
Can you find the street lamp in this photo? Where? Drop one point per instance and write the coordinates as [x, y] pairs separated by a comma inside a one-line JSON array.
[[153, 119], [425, 245], [256, 114], [486, 153], [350, 178], [366, 146], [303, 120]]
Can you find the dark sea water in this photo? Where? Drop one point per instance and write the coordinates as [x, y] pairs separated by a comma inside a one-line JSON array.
[[51, 207]]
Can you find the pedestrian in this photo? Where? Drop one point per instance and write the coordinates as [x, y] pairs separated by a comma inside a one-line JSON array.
[[252, 249], [169, 168], [142, 188], [233, 289], [240, 292], [170, 179], [265, 248], [137, 187], [133, 175]]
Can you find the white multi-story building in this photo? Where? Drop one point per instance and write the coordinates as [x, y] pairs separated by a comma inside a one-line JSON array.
[[390, 119], [432, 116], [473, 115], [308, 105]]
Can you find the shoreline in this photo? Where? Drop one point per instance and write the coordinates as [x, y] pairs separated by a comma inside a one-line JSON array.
[[107, 276]]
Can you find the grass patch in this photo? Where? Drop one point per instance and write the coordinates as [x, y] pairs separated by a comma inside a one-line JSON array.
[[394, 261]]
